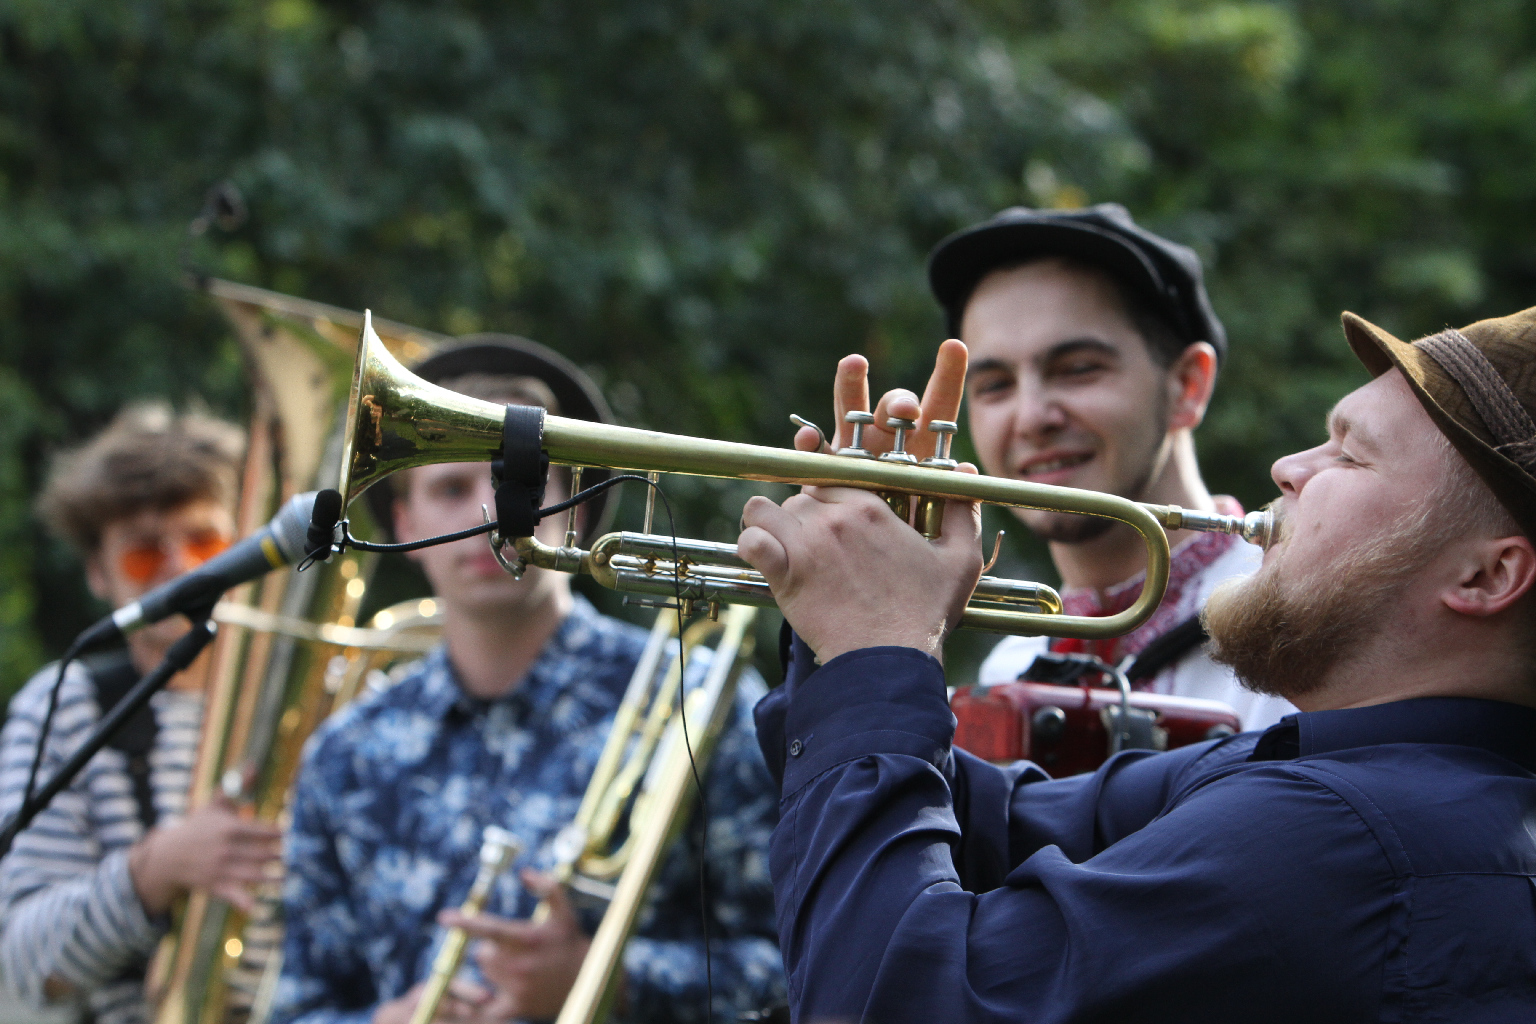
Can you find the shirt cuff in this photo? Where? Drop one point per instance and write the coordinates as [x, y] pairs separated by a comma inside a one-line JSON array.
[[879, 700], [120, 900]]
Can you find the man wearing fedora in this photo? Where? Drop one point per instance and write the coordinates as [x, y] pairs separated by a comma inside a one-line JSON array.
[[502, 725], [1094, 351], [1368, 858]]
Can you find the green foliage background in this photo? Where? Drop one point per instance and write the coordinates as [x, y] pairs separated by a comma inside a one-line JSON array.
[[709, 203]]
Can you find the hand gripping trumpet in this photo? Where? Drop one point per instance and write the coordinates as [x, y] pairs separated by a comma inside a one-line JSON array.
[[498, 848], [397, 420]]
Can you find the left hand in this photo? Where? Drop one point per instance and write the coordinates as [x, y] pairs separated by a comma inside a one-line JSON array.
[[532, 966]]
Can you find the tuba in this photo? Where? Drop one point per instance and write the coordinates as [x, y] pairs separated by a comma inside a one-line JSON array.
[[295, 652]]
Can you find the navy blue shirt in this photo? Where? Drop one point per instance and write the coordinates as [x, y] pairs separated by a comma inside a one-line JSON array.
[[1372, 864]]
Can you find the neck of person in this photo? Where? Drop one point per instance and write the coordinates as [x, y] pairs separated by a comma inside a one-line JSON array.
[[1120, 553], [1428, 656], [492, 648]]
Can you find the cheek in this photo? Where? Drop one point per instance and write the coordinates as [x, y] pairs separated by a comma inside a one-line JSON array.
[[991, 428]]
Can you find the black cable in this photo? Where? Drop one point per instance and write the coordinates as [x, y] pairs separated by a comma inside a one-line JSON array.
[[698, 785], [180, 656], [677, 587], [475, 531], [72, 652]]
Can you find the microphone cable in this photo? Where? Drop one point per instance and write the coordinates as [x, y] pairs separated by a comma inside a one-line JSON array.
[[347, 540]]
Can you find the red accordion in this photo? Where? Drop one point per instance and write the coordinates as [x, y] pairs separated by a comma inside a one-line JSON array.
[[1071, 729]]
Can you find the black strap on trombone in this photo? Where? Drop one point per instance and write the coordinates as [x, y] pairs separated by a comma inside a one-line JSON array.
[[521, 471]]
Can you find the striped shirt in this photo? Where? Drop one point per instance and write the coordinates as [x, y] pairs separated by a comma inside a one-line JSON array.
[[68, 908]]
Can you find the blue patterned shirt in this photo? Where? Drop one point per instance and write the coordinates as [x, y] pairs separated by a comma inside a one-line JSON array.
[[396, 789]]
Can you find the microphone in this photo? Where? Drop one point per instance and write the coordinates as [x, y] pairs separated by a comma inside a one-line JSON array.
[[281, 542]]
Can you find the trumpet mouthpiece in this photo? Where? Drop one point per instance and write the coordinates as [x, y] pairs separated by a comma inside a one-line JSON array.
[[1256, 527]]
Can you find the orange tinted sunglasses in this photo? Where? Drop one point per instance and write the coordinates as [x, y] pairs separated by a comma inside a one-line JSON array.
[[143, 562]]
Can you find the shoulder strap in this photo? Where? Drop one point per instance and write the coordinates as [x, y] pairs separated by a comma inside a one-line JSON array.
[[1167, 649], [113, 675]]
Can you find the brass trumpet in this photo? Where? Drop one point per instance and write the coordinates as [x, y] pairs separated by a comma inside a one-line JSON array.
[[396, 420]]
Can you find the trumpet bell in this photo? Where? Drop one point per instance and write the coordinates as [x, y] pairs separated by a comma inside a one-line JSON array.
[[396, 420]]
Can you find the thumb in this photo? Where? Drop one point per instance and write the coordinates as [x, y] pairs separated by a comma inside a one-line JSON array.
[[549, 889], [962, 519]]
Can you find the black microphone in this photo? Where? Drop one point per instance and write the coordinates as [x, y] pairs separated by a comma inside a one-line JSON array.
[[281, 542]]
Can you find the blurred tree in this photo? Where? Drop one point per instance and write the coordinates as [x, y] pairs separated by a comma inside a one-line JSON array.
[[707, 204]]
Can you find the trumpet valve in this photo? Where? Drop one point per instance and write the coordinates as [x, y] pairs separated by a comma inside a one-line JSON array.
[[940, 459], [898, 452], [856, 449], [930, 511]]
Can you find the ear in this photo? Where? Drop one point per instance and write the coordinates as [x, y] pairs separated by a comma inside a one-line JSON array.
[[1191, 379], [96, 576], [1496, 574]]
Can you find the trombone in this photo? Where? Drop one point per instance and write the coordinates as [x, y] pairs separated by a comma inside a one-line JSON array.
[[396, 420], [635, 804]]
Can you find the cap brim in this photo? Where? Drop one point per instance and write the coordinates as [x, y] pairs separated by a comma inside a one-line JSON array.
[[1380, 351], [960, 261]]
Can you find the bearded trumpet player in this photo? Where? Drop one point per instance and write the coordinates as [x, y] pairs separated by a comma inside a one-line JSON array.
[[502, 726], [1367, 858]]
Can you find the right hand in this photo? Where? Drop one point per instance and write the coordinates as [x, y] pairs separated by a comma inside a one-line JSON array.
[[212, 848], [463, 1003]]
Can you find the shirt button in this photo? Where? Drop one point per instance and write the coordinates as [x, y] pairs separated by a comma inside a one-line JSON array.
[[795, 747]]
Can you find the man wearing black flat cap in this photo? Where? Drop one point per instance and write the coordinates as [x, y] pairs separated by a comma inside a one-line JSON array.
[[502, 725], [1093, 354]]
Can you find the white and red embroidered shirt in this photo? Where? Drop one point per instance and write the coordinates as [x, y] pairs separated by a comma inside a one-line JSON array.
[[1197, 566]]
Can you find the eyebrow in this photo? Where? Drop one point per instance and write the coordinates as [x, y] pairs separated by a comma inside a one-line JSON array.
[[1056, 351], [1339, 424]]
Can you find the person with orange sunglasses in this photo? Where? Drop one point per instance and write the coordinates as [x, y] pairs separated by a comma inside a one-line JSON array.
[[86, 892]]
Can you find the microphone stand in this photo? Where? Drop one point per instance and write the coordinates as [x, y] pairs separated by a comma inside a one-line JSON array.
[[180, 657]]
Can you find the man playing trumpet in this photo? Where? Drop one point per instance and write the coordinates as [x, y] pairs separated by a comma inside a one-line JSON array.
[[1368, 858]]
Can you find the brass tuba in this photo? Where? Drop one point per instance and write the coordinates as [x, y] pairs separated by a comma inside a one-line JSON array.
[[296, 652]]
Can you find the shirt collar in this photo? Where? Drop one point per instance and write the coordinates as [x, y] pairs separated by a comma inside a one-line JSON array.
[[442, 692], [1186, 567], [1508, 730]]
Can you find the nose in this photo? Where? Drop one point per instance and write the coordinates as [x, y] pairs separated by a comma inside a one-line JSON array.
[[176, 561], [1291, 472], [1037, 413]]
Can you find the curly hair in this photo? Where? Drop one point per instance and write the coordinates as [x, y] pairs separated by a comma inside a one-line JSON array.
[[147, 458]]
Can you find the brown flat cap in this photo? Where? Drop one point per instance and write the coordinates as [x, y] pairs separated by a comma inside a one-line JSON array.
[[1479, 386]]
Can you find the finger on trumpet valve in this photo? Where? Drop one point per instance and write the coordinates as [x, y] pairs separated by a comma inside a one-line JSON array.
[[858, 420], [930, 511]]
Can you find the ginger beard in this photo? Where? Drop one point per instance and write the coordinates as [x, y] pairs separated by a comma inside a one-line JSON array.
[[1282, 637]]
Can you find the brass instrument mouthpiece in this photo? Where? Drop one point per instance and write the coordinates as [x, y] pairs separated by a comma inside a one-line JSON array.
[[1255, 527]]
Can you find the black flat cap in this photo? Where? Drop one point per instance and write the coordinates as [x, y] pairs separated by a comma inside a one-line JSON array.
[[1166, 274], [577, 395]]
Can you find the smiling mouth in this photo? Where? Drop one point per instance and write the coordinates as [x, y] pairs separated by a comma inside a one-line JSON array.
[[1055, 465]]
